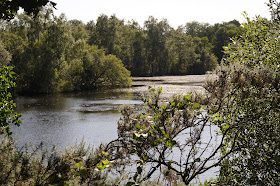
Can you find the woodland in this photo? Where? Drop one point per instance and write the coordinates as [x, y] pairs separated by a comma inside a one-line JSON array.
[[52, 54]]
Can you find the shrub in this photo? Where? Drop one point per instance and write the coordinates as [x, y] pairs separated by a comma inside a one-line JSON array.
[[35, 166]]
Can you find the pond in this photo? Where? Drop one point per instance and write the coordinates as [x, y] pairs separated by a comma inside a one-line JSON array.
[[62, 119]]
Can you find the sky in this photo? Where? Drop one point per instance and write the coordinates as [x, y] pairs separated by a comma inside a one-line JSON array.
[[177, 12]]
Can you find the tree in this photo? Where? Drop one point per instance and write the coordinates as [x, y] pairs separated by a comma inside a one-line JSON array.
[[248, 92], [5, 56], [8, 9], [177, 138]]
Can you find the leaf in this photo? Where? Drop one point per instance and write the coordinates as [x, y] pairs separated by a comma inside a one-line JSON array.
[[186, 97], [142, 115], [135, 176], [132, 151], [105, 153], [196, 106], [79, 164], [169, 143], [167, 173], [103, 164], [153, 90], [137, 126]]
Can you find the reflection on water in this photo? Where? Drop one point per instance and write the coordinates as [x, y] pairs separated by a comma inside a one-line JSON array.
[[64, 118], [61, 119]]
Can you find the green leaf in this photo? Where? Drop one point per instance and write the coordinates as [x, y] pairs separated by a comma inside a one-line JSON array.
[[169, 143], [105, 153], [79, 164], [196, 106], [142, 115], [103, 164], [135, 176], [153, 90], [186, 97], [132, 151], [137, 126]]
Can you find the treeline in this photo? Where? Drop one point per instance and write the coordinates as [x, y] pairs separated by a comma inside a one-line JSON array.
[[49, 55], [157, 48], [52, 54]]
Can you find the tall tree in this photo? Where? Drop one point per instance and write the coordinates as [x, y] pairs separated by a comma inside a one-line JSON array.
[[8, 8]]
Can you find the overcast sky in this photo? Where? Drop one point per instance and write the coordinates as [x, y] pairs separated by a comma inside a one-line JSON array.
[[177, 12]]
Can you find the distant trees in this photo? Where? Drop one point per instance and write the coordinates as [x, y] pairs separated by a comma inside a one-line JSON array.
[[52, 54], [218, 35], [159, 49]]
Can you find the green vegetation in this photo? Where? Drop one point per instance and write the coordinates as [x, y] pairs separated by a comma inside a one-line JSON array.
[[7, 106], [51, 54], [9, 8], [239, 114], [249, 87]]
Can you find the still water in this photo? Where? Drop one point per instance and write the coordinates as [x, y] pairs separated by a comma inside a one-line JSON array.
[[62, 119]]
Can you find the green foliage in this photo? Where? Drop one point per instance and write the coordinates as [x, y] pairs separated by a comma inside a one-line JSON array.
[[7, 106], [5, 56], [249, 102], [167, 136], [156, 49], [258, 45], [247, 94], [8, 9], [36, 166], [51, 54], [219, 35]]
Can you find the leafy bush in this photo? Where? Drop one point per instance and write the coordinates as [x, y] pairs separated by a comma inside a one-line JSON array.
[[174, 140], [7, 114], [247, 94], [248, 100]]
